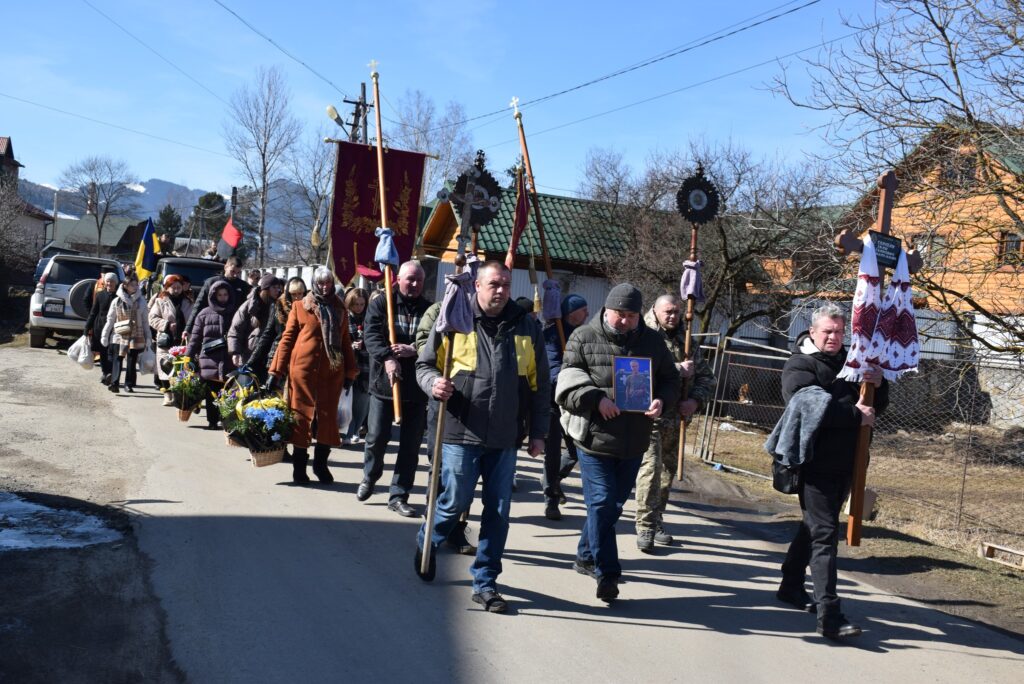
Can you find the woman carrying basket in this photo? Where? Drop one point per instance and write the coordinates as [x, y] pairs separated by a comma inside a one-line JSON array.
[[167, 315], [315, 353], [208, 345]]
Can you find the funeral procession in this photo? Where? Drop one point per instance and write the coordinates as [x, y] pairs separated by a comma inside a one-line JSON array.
[[523, 342]]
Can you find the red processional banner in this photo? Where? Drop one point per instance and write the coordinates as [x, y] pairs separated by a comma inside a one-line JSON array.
[[355, 205]]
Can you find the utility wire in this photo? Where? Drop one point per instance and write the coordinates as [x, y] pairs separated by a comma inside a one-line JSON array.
[[688, 47], [113, 125], [285, 52], [692, 85], [154, 51]]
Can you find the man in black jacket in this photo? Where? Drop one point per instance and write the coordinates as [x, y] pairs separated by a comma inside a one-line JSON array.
[[818, 356], [101, 302], [232, 274], [390, 364], [611, 442]]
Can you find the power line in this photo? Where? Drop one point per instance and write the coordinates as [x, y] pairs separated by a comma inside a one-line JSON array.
[[113, 125], [692, 85], [285, 52], [687, 47], [153, 50]]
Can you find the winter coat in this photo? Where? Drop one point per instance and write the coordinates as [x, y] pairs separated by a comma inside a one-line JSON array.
[[426, 325], [484, 410], [553, 348], [702, 387], [97, 320], [356, 330], [246, 324], [836, 442], [587, 378], [314, 388], [161, 314], [240, 292], [408, 314], [212, 323], [126, 307]]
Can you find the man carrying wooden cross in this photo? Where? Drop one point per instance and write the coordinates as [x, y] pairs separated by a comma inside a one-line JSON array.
[[818, 357]]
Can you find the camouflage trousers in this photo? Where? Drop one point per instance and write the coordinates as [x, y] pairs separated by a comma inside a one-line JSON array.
[[657, 469]]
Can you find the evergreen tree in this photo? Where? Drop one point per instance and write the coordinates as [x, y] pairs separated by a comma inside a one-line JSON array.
[[168, 222], [208, 217]]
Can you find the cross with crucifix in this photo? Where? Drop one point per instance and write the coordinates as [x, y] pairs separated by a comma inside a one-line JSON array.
[[848, 243]]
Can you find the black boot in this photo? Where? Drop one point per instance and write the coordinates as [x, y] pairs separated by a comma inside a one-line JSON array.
[[320, 454], [832, 624], [299, 459]]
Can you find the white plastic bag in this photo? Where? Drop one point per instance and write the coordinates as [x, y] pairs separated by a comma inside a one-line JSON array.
[[344, 411], [81, 352], [147, 361]]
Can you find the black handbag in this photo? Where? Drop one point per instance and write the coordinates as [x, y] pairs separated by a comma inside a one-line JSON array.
[[163, 341], [214, 345], [785, 479]]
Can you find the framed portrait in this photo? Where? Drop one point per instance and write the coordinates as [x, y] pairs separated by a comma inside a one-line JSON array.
[[632, 389]]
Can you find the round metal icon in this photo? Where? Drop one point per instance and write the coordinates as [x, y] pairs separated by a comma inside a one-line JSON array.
[[698, 199], [486, 196]]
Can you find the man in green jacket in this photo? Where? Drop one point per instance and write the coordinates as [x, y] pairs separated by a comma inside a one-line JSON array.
[[611, 442], [659, 463]]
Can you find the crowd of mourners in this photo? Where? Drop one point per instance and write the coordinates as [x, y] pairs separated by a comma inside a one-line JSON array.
[[515, 383]]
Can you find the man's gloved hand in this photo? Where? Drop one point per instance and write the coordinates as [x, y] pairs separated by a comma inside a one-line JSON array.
[[272, 384]]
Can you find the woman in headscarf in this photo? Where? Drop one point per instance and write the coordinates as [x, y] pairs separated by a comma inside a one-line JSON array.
[[263, 351], [355, 302], [167, 315], [208, 345], [127, 333], [315, 353]]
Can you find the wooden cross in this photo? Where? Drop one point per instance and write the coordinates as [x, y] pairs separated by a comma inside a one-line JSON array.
[[847, 243]]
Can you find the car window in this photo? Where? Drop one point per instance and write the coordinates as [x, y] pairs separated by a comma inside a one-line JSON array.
[[197, 275], [68, 272]]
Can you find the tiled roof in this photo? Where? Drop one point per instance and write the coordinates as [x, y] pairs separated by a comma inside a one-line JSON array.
[[576, 230], [5, 146]]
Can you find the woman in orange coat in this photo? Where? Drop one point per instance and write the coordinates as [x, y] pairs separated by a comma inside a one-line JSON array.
[[315, 352]]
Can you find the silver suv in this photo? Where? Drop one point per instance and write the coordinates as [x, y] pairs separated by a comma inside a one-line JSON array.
[[63, 295]]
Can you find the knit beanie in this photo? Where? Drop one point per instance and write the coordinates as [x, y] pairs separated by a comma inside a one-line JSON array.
[[525, 303], [624, 297], [269, 280], [572, 303]]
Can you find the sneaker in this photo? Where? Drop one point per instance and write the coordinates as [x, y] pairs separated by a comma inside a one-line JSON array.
[[458, 542], [645, 540], [355, 440], [662, 537], [492, 601], [585, 567], [168, 400], [608, 589]]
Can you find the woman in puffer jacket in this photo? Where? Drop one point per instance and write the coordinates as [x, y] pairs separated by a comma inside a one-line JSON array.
[[263, 351], [127, 333], [167, 315], [208, 347]]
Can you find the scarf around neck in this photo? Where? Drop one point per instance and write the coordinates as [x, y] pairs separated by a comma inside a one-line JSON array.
[[323, 308]]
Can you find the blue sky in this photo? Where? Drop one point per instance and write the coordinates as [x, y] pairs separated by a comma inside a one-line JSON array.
[[64, 54]]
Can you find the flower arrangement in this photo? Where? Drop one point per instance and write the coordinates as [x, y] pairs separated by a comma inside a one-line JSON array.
[[186, 386], [264, 424], [227, 404], [177, 352]]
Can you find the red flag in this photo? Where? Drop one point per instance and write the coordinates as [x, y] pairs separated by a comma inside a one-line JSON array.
[[230, 238], [355, 205], [519, 219]]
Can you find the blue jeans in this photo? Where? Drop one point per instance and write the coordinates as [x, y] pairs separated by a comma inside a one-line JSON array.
[[461, 467], [607, 483], [360, 408]]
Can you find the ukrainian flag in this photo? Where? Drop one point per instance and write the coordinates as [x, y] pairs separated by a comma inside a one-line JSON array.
[[145, 260]]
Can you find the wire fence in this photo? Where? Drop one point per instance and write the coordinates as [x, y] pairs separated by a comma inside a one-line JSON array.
[[947, 458]]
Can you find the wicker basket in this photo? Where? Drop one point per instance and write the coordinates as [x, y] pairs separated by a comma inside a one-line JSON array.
[[266, 458], [184, 415], [231, 441]]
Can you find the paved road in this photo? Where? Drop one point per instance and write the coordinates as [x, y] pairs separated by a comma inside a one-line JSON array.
[[263, 581]]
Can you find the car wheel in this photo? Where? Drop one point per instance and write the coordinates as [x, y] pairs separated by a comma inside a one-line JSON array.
[[37, 338]]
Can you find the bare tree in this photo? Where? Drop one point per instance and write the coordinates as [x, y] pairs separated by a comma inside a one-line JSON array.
[[306, 200], [933, 89], [20, 247], [772, 217], [421, 128], [259, 133], [101, 184]]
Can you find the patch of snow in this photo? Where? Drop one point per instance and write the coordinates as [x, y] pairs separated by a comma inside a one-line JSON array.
[[47, 185], [137, 187], [25, 525], [729, 427], [62, 215]]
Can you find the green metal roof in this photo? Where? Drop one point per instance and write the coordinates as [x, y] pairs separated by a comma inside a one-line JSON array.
[[576, 230], [83, 232]]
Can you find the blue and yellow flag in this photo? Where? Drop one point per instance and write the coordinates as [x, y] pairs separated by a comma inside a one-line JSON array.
[[145, 260]]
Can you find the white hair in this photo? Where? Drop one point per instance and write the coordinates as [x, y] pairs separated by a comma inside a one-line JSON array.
[[108, 276], [827, 311], [322, 274]]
